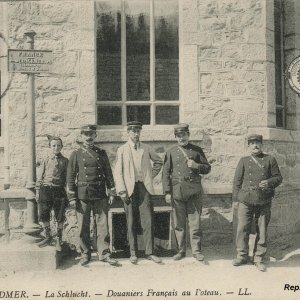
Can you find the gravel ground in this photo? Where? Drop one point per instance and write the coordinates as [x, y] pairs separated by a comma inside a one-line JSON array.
[[169, 280]]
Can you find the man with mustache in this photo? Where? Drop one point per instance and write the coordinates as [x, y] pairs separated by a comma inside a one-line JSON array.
[[89, 176], [255, 180], [183, 166], [136, 166]]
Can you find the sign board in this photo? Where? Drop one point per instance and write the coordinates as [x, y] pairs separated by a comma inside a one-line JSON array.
[[293, 73], [30, 61]]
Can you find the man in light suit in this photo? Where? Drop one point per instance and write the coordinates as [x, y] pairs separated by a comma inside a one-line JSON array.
[[133, 177]]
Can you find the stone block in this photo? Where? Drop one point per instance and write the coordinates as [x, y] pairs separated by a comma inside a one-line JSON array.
[[249, 105], [256, 119], [237, 65], [209, 66], [236, 89], [60, 12], [86, 15], [190, 66], [189, 15], [254, 51], [212, 24], [48, 44], [210, 86], [254, 76], [77, 119], [209, 53], [236, 37], [208, 8], [79, 40], [250, 19], [63, 101], [21, 257], [65, 63], [231, 51], [253, 36]]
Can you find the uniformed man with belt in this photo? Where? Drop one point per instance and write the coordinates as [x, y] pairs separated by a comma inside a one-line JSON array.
[[183, 166], [255, 180], [89, 177]]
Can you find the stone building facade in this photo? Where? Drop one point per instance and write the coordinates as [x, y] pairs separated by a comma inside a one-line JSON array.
[[228, 79]]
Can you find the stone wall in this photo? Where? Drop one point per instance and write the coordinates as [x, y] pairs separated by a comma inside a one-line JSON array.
[[226, 89]]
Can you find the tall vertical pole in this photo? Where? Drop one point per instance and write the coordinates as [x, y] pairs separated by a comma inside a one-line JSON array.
[[31, 225]]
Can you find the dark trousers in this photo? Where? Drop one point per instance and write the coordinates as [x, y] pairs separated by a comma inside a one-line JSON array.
[[100, 211], [140, 209], [188, 210], [261, 215], [52, 198]]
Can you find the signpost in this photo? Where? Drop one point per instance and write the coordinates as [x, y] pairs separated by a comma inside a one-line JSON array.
[[30, 62]]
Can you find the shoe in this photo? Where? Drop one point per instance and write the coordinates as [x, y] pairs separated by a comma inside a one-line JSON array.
[[154, 258], [261, 266], [179, 256], [85, 260], [109, 260], [239, 261], [133, 259], [199, 257], [47, 240]]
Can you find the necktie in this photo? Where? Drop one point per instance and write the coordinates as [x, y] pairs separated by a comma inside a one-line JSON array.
[[135, 146]]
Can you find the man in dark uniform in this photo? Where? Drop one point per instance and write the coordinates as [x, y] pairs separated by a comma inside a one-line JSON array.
[[89, 176], [255, 180], [183, 166]]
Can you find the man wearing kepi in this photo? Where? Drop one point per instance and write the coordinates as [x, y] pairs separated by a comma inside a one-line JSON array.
[[183, 166], [133, 176], [255, 180], [89, 177]]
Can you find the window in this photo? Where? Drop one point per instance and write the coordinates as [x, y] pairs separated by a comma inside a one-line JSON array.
[[137, 62], [279, 63]]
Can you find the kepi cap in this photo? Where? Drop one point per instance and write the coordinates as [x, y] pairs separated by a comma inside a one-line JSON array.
[[134, 124], [255, 137], [88, 128], [182, 127]]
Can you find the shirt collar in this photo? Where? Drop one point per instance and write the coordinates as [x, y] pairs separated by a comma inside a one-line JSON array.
[[131, 143], [59, 155]]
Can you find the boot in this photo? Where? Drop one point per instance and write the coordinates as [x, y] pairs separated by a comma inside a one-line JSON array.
[[58, 239], [47, 240]]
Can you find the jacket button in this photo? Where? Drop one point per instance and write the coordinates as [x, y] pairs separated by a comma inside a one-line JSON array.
[[86, 176]]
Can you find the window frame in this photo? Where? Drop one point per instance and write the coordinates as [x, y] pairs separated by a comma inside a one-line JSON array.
[[124, 103], [278, 5]]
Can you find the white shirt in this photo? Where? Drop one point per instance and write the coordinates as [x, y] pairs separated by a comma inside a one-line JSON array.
[[137, 160]]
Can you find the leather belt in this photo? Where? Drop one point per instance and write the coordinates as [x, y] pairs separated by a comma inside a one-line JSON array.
[[251, 188], [89, 183], [51, 187]]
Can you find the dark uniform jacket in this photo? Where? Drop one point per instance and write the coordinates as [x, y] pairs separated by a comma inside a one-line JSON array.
[[178, 178], [249, 174], [89, 174]]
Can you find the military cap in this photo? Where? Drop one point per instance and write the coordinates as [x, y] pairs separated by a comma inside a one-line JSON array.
[[88, 128], [182, 127], [255, 137], [134, 124]]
